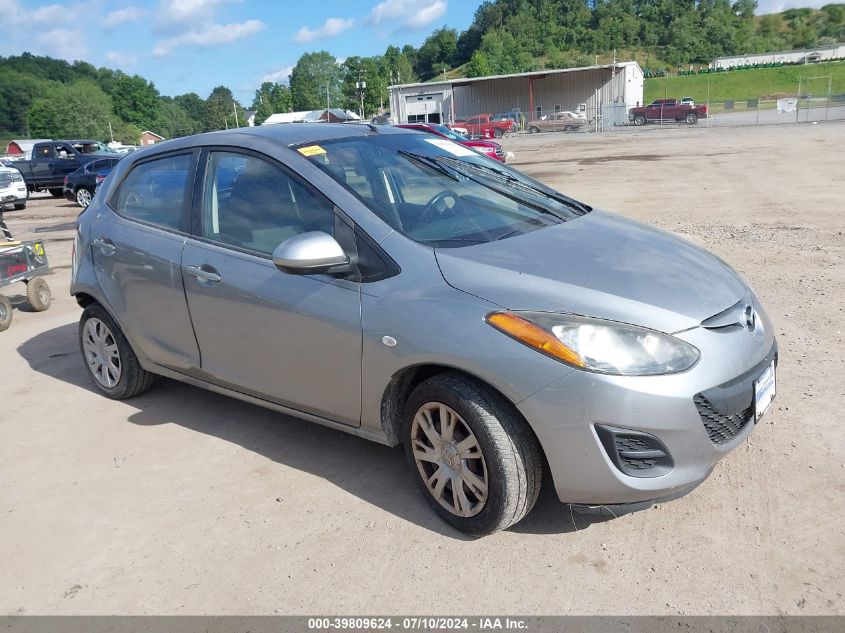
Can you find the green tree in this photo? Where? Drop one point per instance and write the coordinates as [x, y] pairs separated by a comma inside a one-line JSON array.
[[368, 70], [271, 98], [220, 108], [314, 75], [438, 51], [479, 65], [135, 100], [80, 110], [173, 121]]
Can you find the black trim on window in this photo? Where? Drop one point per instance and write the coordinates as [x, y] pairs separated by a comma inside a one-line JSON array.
[[187, 202]]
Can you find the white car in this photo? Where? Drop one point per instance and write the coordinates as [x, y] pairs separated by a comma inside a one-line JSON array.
[[12, 187], [688, 101]]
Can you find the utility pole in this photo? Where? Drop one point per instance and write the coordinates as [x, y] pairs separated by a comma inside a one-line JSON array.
[[361, 87], [235, 109], [111, 133]]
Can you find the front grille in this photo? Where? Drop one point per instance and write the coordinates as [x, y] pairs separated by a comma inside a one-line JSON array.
[[500, 151], [721, 428], [627, 445]]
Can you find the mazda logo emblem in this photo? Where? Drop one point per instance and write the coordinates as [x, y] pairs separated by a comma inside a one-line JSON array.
[[750, 318]]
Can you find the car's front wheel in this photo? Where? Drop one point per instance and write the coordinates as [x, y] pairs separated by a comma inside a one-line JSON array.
[[639, 120], [692, 119], [110, 360], [475, 460], [533, 129]]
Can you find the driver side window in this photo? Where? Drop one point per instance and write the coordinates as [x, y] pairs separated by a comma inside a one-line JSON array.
[[252, 204]]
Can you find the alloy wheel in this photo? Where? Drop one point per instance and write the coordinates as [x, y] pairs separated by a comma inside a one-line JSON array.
[[83, 197], [101, 353], [449, 459]]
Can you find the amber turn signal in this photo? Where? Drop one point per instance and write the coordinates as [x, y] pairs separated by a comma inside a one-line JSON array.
[[533, 336]]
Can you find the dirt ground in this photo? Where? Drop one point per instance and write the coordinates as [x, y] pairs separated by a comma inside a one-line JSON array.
[[182, 501]]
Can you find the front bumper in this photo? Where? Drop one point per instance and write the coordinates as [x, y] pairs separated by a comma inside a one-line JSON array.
[[568, 417]]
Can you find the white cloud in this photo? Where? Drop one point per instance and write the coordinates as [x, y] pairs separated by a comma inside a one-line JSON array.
[[125, 60], [329, 28], [120, 16], [62, 43], [278, 76], [412, 14], [208, 35], [188, 10], [16, 12]]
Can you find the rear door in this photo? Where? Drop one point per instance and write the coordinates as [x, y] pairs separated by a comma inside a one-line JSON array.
[[137, 249], [291, 339]]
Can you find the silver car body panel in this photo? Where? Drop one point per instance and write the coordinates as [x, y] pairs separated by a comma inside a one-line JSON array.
[[328, 349]]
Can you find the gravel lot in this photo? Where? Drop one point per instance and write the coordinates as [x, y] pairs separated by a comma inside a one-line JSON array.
[[183, 501]]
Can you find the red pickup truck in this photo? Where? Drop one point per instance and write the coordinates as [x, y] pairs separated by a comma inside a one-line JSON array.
[[667, 110], [482, 125]]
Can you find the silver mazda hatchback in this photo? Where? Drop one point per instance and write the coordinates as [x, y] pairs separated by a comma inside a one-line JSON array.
[[406, 289]]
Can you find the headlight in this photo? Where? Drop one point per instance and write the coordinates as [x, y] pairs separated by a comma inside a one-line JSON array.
[[597, 345]]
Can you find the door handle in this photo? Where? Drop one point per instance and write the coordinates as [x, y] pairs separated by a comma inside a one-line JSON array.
[[105, 245], [203, 273]]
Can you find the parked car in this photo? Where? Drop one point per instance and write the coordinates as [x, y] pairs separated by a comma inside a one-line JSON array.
[[12, 188], [667, 110], [483, 125], [488, 148], [558, 122], [81, 185], [393, 285], [688, 101], [53, 160]]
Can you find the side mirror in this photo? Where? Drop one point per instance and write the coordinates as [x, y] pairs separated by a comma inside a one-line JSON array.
[[311, 253]]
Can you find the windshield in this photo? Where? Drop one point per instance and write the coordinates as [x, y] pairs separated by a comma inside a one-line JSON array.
[[439, 193], [92, 147]]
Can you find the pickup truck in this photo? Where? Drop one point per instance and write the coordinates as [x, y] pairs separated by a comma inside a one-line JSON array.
[[667, 110], [53, 160], [484, 126]]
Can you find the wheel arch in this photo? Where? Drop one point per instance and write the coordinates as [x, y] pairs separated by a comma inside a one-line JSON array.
[[403, 383]]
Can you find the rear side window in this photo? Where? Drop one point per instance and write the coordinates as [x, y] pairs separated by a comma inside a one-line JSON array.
[[155, 192]]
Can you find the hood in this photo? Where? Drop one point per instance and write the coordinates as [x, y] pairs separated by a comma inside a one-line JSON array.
[[599, 265], [478, 143]]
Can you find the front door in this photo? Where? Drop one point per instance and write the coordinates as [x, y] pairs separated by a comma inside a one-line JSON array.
[[137, 258], [292, 339]]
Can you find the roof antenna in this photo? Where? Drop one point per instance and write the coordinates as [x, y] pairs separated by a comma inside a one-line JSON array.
[[372, 127]]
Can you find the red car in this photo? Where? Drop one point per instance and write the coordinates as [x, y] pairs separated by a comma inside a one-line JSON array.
[[488, 148]]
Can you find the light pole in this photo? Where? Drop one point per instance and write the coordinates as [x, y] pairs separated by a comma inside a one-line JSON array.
[[361, 87]]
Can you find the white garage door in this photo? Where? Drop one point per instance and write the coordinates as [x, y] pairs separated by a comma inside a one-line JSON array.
[[424, 108]]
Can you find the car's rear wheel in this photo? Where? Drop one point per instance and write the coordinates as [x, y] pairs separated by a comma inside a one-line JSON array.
[[498, 133], [83, 197], [534, 129], [38, 294], [692, 118], [57, 192], [639, 120], [5, 313], [110, 360], [475, 460]]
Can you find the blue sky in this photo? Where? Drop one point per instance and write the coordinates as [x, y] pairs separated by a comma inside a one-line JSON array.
[[194, 45]]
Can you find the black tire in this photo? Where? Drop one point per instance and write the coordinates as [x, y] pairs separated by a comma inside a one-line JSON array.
[[692, 118], [510, 450], [497, 133], [534, 129], [38, 294], [5, 313], [639, 120], [134, 379], [20, 206], [57, 192]]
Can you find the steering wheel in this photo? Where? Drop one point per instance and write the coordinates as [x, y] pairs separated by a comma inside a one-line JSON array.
[[436, 208]]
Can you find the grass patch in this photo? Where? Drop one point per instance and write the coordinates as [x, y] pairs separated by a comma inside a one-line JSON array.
[[739, 85]]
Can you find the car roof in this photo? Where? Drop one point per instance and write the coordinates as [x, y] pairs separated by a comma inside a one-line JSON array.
[[286, 134]]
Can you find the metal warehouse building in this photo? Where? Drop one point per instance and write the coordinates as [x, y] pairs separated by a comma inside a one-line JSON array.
[[604, 93]]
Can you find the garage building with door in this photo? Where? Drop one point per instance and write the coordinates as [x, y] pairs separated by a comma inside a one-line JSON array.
[[603, 93]]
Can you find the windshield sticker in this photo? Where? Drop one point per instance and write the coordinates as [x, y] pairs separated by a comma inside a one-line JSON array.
[[453, 148], [311, 150]]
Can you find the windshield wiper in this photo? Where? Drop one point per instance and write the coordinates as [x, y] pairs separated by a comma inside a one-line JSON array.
[[431, 163], [512, 180]]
